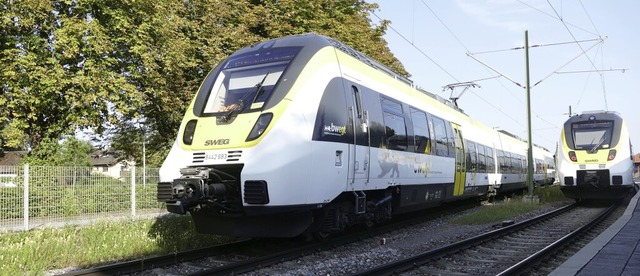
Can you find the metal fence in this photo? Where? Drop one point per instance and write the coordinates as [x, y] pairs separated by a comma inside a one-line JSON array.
[[39, 196]]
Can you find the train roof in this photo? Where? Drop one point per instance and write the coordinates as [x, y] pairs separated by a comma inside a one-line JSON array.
[[314, 42], [318, 41], [594, 115]]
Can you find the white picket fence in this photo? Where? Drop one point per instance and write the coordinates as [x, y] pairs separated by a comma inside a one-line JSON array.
[[41, 196]]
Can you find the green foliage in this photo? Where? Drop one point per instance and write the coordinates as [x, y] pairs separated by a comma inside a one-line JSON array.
[[512, 207], [497, 212], [103, 64], [72, 152], [550, 194]]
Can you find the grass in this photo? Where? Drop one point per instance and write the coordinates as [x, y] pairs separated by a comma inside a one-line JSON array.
[[511, 207], [37, 251]]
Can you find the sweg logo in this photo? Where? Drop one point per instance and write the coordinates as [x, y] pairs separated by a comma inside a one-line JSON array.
[[217, 142]]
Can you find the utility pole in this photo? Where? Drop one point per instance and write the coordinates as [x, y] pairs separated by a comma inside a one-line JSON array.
[[529, 142], [144, 156]]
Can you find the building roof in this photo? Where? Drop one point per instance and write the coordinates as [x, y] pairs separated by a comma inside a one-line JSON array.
[[104, 158], [104, 161], [636, 158]]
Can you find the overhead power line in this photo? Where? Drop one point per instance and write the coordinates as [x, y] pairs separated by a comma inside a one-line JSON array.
[[591, 71], [536, 46]]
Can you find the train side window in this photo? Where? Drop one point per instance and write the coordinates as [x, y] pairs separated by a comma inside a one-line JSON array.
[[491, 165], [450, 139], [356, 95], [507, 162], [440, 132], [395, 128], [472, 157], [482, 159], [422, 139]]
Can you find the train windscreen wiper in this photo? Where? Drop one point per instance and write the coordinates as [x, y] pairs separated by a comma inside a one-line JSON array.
[[598, 144], [241, 105]]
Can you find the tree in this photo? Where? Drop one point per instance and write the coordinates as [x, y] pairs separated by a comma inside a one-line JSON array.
[[72, 152], [107, 64], [57, 74]]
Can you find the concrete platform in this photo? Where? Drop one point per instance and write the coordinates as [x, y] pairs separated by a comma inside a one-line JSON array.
[[614, 252]]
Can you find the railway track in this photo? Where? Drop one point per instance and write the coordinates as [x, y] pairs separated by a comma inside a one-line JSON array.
[[510, 250], [249, 255]]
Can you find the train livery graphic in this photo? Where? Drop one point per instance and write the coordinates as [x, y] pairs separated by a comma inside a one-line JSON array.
[[595, 159], [303, 134]]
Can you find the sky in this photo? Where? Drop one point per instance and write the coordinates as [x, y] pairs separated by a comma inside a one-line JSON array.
[[583, 55]]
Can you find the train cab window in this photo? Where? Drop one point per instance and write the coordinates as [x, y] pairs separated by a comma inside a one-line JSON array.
[[472, 156], [395, 128], [421, 137], [482, 159], [245, 83], [592, 135], [491, 165], [440, 131]]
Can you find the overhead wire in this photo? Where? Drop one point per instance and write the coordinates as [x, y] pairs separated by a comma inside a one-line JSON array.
[[589, 16], [587, 56], [567, 63], [499, 74], [453, 77], [602, 81], [419, 50], [535, 46], [467, 49], [547, 14]]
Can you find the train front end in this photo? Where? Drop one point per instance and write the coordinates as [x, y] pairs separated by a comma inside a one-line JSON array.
[[594, 157], [242, 152]]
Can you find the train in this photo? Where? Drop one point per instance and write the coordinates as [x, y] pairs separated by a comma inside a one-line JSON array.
[[595, 159], [303, 135]]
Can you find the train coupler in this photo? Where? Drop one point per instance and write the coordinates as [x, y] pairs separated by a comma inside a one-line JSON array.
[[176, 207]]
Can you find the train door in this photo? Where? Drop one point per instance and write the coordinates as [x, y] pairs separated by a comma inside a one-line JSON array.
[[360, 150], [459, 179]]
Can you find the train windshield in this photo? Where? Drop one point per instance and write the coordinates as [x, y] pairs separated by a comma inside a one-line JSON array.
[[592, 136], [245, 82]]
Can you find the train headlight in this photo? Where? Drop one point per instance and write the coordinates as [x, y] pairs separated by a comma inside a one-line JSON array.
[[612, 155], [189, 130], [261, 125], [572, 156]]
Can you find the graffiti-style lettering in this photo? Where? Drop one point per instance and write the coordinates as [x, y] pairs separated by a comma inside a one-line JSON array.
[[335, 130]]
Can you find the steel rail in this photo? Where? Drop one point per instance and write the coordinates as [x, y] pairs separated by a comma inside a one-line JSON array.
[[523, 265], [295, 253], [139, 265], [420, 259]]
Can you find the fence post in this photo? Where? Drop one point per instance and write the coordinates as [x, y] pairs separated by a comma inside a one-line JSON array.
[[133, 191], [25, 197]]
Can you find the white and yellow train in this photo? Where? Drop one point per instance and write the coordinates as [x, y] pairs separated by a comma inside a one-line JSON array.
[[303, 134], [595, 159]]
